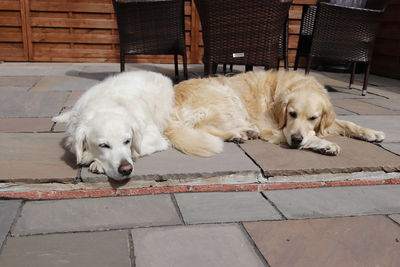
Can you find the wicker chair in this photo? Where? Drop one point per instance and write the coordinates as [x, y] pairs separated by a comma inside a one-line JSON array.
[[151, 27], [282, 48], [346, 33], [241, 32]]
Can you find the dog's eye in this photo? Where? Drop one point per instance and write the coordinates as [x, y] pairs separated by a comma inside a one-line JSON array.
[[104, 145], [293, 114], [312, 118], [127, 141]]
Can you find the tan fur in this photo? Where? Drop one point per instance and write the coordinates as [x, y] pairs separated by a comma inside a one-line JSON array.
[[258, 103]]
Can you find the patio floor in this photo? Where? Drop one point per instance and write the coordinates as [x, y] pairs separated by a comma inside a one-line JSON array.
[[34, 165]]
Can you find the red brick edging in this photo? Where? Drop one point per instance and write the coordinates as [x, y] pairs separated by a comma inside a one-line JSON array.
[[93, 193]]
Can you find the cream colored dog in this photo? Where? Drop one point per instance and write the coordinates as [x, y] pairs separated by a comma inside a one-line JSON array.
[[278, 107], [118, 120]]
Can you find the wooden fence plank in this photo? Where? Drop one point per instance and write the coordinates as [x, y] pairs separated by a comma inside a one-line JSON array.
[[9, 5], [85, 6], [295, 12], [75, 38], [73, 23]]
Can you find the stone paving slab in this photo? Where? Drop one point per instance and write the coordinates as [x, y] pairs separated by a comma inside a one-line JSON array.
[[31, 157], [392, 147], [18, 125], [31, 104], [395, 217], [214, 207], [64, 83], [172, 164], [388, 124], [392, 93], [59, 127], [73, 249], [353, 94], [8, 212], [363, 108], [337, 201], [377, 80], [384, 103], [96, 214], [73, 97], [343, 92], [342, 111], [37, 69], [327, 80], [358, 241], [200, 245], [355, 156], [18, 81], [12, 89]]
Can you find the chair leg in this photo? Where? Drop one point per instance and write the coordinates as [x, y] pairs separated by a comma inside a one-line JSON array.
[[353, 71], [249, 68], [296, 62], [231, 68], [308, 66], [366, 76], [176, 67], [185, 70], [286, 63], [214, 67], [122, 60], [207, 68], [224, 69]]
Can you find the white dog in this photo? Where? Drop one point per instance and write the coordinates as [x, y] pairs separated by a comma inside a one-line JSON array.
[[118, 120]]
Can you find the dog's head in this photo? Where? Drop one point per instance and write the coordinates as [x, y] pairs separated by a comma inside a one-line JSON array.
[[112, 140], [303, 112]]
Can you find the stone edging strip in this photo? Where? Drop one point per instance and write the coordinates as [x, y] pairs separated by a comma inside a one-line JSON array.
[[13, 192]]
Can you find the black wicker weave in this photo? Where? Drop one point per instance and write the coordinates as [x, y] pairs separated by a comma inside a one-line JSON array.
[[344, 33], [241, 32], [151, 27], [306, 31]]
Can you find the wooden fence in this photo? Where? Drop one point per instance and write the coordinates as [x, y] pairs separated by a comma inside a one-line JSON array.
[[86, 31]]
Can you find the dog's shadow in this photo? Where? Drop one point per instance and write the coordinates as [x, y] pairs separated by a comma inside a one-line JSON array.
[[99, 76], [117, 184], [68, 157]]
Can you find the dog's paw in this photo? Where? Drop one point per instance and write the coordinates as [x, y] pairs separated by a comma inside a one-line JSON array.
[[237, 140], [373, 136], [96, 167], [251, 135], [322, 146], [329, 149]]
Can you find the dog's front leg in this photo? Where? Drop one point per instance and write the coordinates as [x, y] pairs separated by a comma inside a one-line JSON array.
[[96, 167], [322, 146], [272, 136], [350, 129]]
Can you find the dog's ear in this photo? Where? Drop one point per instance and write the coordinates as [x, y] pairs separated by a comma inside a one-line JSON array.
[[279, 110], [80, 143], [327, 118], [136, 140]]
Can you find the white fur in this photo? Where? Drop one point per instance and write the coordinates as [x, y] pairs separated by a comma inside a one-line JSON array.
[[132, 106]]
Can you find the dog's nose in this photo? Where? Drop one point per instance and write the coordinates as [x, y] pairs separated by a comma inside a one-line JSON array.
[[296, 139], [125, 168]]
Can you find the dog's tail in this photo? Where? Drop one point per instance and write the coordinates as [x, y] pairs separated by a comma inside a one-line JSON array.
[[193, 141]]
